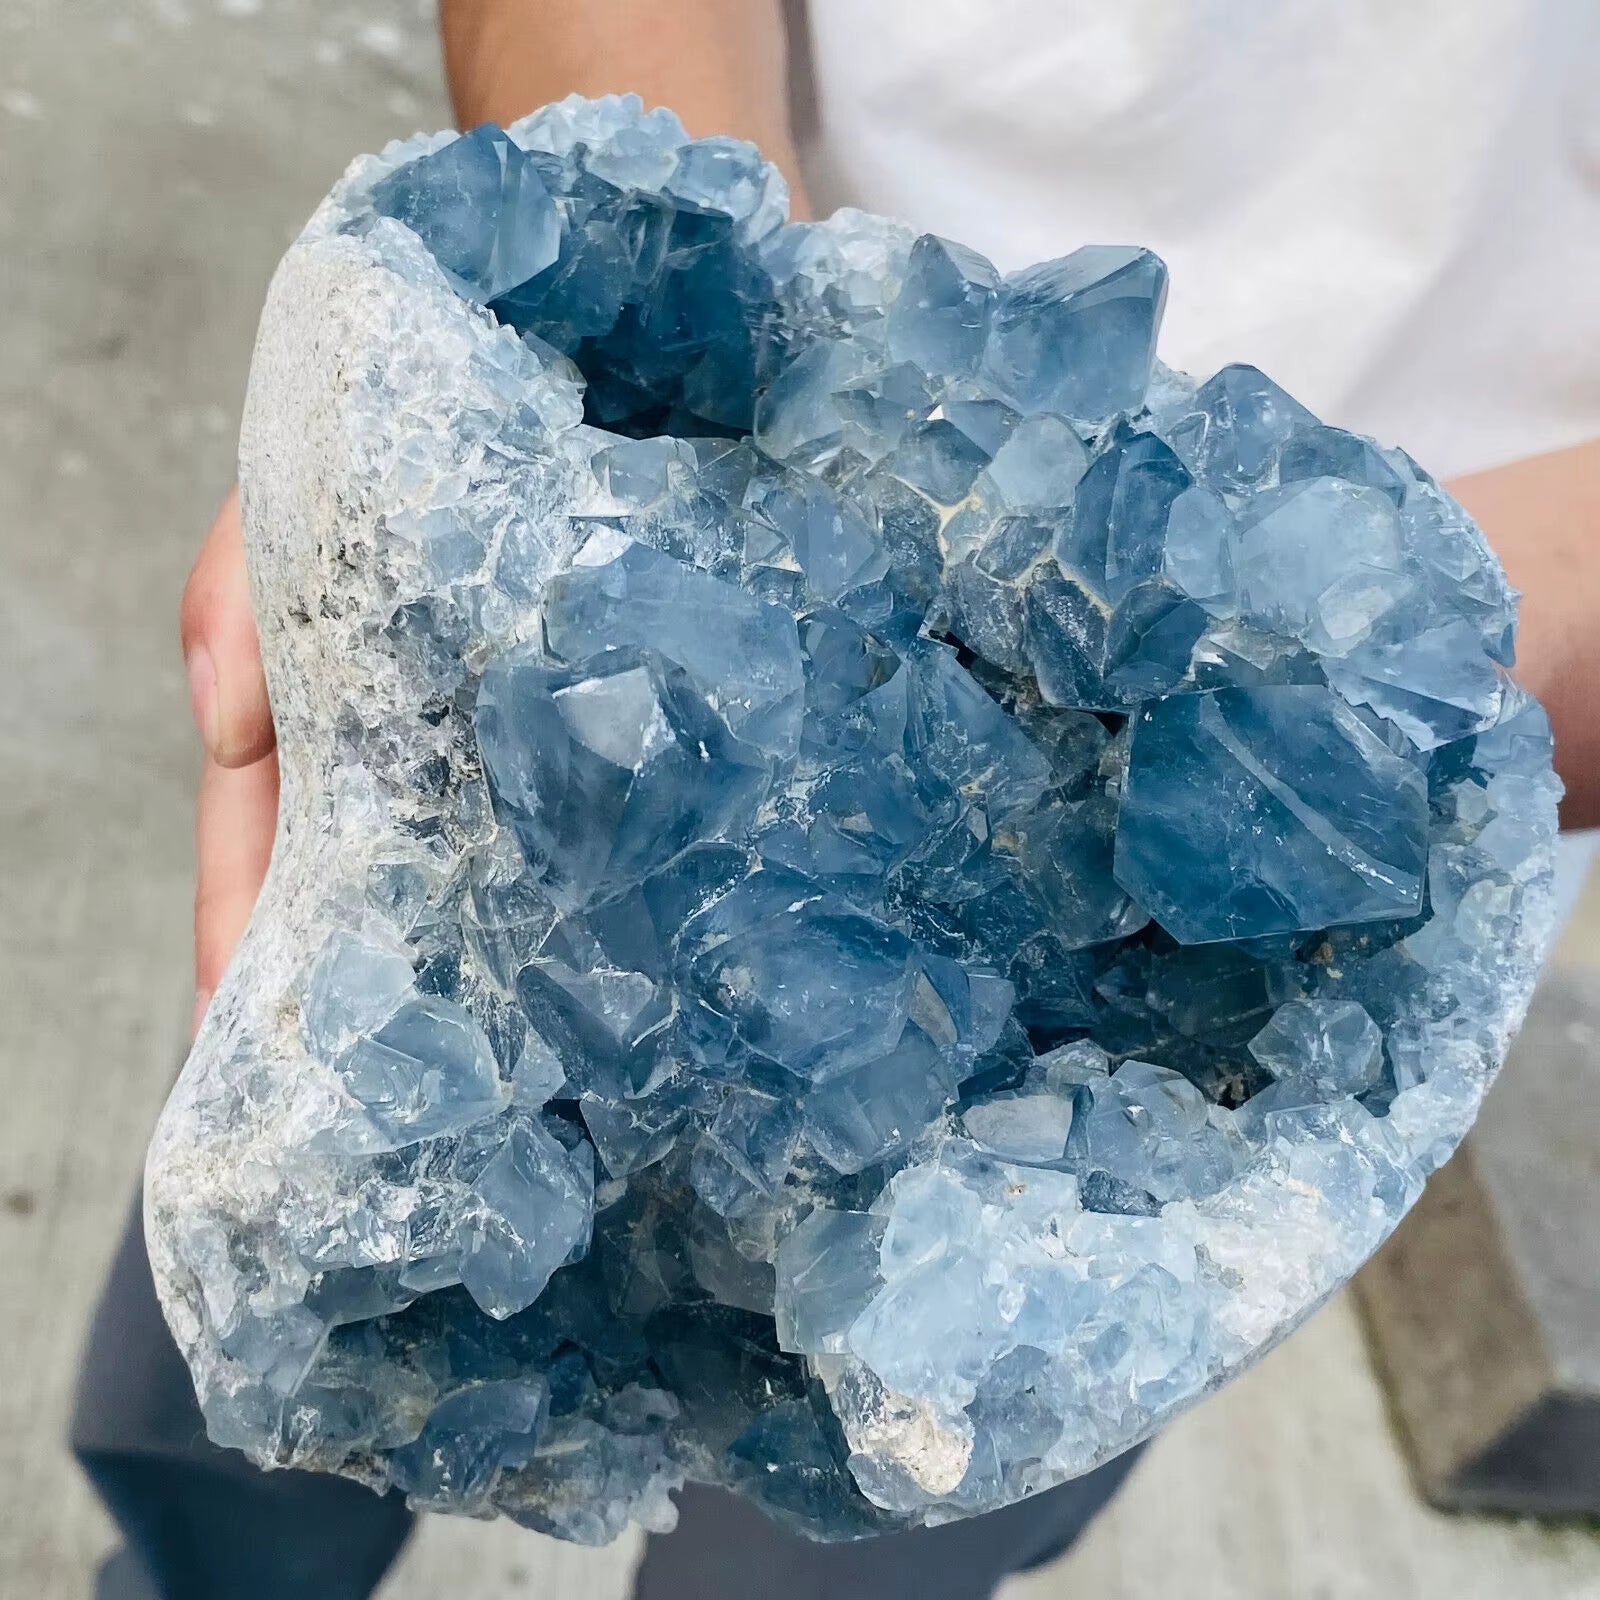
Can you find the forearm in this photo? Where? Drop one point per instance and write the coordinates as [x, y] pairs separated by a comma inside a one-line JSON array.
[[720, 64], [1543, 518]]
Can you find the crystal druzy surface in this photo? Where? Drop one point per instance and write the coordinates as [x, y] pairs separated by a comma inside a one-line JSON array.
[[875, 891]]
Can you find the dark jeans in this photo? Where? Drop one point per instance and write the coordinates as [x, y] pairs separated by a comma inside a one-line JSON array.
[[204, 1524]]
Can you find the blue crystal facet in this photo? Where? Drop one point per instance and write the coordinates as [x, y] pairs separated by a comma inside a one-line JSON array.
[[1078, 336], [920, 883], [480, 207], [1308, 819]]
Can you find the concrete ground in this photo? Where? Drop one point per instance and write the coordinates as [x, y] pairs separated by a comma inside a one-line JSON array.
[[155, 157]]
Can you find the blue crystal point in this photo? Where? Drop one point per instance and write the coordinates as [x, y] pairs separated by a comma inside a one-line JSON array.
[[1078, 335], [1231, 432], [480, 207], [1118, 532], [940, 320]]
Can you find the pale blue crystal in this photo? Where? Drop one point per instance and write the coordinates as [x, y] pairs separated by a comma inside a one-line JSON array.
[[741, 655], [1332, 1042], [538, 1077], [630, 1134], [354, 987], [427, 1070], [859, 1116], [1066, 851], [987, 422], [1148, 1127], [962, 737], [1231, 430], [1320, 561], [479, 206], [901, 885], [1197, 557], [856, 690], [1151, 642], [629, 742], [801, 977], [1314, 451], [1078, 335], [602, 1026], [1435, 686], [828, 538], [531, 1212], [1039, 465], [1064, 638], [1029, 1128], [640, 157], [744, 1156], [799, 415], [729, 176], [827, 1273], [1118, 533], [1308, 818], [938, 460], [468, 1441], [416, 1065], [940, 319]]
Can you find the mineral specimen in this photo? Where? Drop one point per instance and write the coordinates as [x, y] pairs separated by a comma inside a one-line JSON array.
[[874, 891]]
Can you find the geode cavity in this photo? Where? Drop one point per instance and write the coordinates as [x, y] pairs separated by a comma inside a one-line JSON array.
[[874, 891]]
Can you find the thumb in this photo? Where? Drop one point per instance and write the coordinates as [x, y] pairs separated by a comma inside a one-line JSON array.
[[220, 650]]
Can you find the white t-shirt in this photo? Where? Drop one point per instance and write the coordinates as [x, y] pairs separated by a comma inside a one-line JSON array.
[[1392, 206]]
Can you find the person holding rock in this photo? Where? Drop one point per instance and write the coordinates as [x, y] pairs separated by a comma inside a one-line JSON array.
[[1399, 219]]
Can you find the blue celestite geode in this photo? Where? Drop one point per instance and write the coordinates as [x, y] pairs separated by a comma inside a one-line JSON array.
[[874, 891]]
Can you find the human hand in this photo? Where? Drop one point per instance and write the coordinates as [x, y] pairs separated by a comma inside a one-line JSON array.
[[1542, 515], [238, 806]]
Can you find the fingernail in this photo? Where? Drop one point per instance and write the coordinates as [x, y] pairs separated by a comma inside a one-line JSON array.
[[202, 1004], [203, 694]]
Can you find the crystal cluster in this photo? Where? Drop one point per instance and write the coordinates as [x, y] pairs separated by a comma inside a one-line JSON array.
[[876, 890]]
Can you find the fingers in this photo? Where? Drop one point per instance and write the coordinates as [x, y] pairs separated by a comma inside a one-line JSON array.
[[226, 687], [239, 784], [234, 825]]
